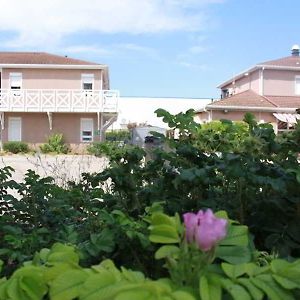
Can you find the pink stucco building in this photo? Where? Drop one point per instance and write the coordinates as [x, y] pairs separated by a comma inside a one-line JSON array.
[[270, 90], [41, 94]]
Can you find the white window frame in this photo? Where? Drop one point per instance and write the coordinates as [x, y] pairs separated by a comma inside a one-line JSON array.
[[81, 130], [9, 128], [87, 78], [297, 85], [15, 75]]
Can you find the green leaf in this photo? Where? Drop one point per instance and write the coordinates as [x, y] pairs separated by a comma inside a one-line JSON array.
[[167, 251], [287, 283], [267, 284], [27, 283], [67, 286], [162, 219], [236, 291], [164, 234], [237, 235], [139, 294], [234, 271], [208, 289], [234, 254], [182, 295], [99, 286], [256, 293]]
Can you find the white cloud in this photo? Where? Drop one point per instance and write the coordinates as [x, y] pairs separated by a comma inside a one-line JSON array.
[[122, 49], [43, 22]]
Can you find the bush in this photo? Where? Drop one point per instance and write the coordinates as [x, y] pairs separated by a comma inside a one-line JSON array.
[[55, 144], [118, 135], [16, 147]]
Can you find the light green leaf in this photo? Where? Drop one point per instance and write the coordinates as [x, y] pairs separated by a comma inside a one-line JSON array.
[[167, 251], [162, 219], [287, 283], [267, 284], [234, 254], [256, 293], [208, 289], [164, 234], [236, 291], [181, 295], [140, 294], [237, 235], [234, 271], [99, 286], [67, 285]]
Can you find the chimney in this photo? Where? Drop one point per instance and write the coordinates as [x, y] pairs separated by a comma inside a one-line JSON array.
[[295, 50]]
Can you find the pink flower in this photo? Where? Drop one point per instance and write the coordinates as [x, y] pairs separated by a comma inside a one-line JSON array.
[[204, 228]]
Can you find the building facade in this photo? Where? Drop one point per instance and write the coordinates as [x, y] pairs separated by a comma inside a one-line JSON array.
[[270, 90], [42, 94]]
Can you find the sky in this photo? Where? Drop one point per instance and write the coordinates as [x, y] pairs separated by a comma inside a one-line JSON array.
[[156, 48]]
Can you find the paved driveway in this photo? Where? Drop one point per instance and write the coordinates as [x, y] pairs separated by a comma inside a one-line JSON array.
[[61, 167]]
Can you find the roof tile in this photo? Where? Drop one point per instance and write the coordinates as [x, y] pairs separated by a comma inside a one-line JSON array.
[[289, 61], [246, 98], [40, 58]]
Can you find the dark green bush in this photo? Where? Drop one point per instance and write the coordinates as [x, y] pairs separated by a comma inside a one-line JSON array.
[[118, 135], [55, 144], [16, 147]]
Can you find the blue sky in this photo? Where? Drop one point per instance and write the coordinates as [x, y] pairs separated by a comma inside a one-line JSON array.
[[159, 48]]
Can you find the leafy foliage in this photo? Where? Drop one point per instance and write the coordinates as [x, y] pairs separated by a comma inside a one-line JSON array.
[[55, 144], [16, 147]]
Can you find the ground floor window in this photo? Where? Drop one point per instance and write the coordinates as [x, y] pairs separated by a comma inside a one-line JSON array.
[[14, 129], [86, 130]]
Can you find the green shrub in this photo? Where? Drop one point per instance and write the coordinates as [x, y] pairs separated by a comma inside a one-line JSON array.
[[118, 135], [16, 147], [55, 144]]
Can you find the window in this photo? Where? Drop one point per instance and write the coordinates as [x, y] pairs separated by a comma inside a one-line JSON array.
[[14, 129], [87, 81], [86, 130], [15, 80], [297, 85]]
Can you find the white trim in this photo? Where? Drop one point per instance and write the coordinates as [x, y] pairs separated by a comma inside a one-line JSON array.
[[48, 66], [249, 108], [261, 81], [81, 129], [15, 74], [9, 128], [297, 87], [90, 76]]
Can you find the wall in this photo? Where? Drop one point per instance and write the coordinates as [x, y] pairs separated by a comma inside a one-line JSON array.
[[35, 126], [279, 82], [51, 78], [246, 83]]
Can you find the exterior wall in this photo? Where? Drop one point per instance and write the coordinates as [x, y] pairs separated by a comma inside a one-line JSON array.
[[51, 78], [265, 117], [279, 82], [250, 82], [35, 126]]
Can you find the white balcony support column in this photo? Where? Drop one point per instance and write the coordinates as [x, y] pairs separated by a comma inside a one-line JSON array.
[[1, 130], [49, 114], [100, 127], [2, 120]]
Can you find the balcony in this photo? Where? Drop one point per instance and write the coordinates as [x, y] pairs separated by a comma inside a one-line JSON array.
[[40, 100]]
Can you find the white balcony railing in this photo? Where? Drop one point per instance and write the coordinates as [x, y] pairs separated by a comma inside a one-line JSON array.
[[40, 100]]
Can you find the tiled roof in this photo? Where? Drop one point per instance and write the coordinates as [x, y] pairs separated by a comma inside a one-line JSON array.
[[40, 58], [247, 98], [289, 61], [285, 101]]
